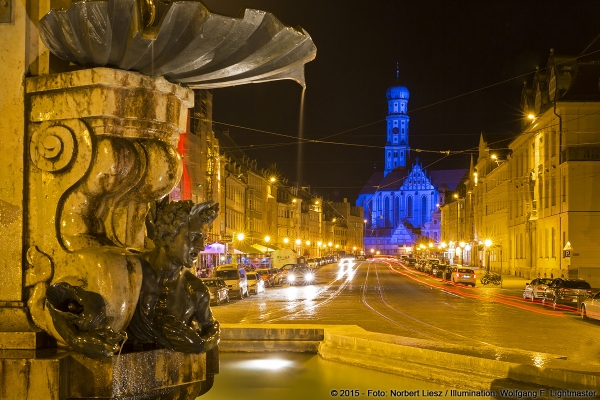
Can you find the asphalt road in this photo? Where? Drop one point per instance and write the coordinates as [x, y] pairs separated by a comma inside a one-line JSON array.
[[389, 298]]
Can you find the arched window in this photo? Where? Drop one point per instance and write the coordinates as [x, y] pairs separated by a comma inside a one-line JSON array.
[[386, 212], [409, 207], [396, 211], [423, 210]]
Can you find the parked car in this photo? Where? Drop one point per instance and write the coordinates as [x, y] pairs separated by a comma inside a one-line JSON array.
[[256, 284], [219, 292], [412, 262], [235, 278], [278, 276], [463, 275], [439, 271], [267, 276], [590, 308], [566, 291], [311, 263], [536, 288]]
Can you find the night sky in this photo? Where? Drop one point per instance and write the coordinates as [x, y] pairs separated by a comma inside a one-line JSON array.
[[463, 61]]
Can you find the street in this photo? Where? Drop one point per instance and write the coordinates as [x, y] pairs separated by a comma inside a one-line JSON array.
[[387, 297]]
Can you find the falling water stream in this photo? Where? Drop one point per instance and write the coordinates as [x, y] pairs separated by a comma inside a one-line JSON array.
[[300, 139]]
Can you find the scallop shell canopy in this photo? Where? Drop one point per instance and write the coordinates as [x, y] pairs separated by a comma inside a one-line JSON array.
[[180, 40]]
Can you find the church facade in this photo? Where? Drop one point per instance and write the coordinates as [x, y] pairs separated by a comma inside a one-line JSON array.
[[401, 203]]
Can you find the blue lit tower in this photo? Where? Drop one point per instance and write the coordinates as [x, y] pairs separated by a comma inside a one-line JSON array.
[[396, 147]]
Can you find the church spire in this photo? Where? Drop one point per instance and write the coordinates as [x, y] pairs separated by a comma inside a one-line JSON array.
[[397, 71]]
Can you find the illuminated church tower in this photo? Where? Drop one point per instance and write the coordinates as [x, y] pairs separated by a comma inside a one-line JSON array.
[[396, 147]]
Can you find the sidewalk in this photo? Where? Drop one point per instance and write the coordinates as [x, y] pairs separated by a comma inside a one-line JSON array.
[[508, 281]]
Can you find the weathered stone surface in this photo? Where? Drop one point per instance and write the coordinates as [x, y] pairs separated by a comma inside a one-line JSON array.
[[100, 149], [153, 375]]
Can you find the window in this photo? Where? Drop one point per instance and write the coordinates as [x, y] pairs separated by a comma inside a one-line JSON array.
[[553, 245], [553, 189], [546, 253], [409, 206], [564, 188], [546, 193]]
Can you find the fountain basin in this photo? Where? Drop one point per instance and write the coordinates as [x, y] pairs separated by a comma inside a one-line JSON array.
[[461, 367]]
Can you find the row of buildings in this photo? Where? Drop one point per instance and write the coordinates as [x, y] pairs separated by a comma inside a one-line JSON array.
[[528, 206], [259, 211]]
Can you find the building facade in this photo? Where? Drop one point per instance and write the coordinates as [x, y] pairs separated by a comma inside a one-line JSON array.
[[535, 202], [401, 204]]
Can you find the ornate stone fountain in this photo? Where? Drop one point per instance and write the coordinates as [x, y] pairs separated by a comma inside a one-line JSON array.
[[90, 258]]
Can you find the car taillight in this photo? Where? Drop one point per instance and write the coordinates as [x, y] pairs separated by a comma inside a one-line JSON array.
[[589, 291], [565, 290], [540, 288], [474, 276], [457, 275]]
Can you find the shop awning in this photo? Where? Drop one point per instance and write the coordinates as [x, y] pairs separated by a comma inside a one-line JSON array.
[[264, 249], [219, 248], [246, 249], [214, 248]]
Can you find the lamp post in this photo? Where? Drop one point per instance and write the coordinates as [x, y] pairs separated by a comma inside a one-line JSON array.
[[240, 237], [487, 243], [461, 245], [286, 241], [308, 245], [298, 245], [267, 240]]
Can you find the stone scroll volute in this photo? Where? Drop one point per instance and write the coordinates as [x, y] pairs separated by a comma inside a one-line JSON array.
[[100, 150]]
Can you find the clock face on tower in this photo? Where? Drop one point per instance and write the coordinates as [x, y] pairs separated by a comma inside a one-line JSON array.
[[395, 130]]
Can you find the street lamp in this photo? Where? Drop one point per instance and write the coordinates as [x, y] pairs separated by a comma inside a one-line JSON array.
[[298, 244], [487, 243], [462, 253], [240, 237]]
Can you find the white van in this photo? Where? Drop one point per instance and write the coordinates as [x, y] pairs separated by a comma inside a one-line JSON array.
[[235, 278]]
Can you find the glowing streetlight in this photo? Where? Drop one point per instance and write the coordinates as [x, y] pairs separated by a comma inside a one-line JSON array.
[[267, 239], [286, 240], [487, 243], [273, 179], [240, 236], [298, 242], [308, 242], [531, 117]]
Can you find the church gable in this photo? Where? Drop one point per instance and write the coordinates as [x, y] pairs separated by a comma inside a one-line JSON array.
[[417, 180]]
